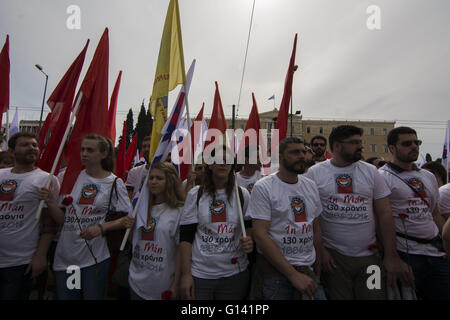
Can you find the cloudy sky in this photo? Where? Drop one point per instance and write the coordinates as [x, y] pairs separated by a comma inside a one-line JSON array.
[[400, 72]]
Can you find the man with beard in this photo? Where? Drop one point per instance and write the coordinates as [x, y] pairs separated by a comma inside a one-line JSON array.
[[354, 198], [319, 147], [284, 207], [24, 241], [136, 176], [414, 201]]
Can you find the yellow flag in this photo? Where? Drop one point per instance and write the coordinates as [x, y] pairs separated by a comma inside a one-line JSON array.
[[169, 72]]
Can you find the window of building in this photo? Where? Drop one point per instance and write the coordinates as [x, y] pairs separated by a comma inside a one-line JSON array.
[[321, 130], [308, 129], [373, 148], [386, 149], [384, 132], [372, 131]]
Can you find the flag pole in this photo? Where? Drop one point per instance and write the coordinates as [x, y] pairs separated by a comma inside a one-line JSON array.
[[238, 200], [58, 155]]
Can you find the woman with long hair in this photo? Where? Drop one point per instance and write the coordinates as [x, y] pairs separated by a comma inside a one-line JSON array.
[[213, 250], [82, 248], [154, 268]]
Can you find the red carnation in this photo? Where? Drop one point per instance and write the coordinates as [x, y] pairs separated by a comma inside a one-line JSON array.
[[234, 260], [374, 247], [166, 295], [403, 215], [67, 201]]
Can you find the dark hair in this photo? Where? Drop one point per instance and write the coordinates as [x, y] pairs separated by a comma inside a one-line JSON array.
[[104, 145], [6, 154], [208, 183], [381, 163], [13, 140], [319, 138], [392, 137], [436, 168], [286, 141], [371, 160], [146, 138], [342, 132]]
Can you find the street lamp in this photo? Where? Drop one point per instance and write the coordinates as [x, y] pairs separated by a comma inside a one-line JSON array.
[[45, 90], [295, 69]]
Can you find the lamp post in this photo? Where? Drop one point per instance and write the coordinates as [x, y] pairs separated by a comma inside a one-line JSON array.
[[295, 69], [43, 99]]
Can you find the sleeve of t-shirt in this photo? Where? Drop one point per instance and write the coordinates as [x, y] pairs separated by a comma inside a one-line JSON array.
[[381, 188], [131, 178], [444, 199], [260, 206], [121, 203], [189, 211]]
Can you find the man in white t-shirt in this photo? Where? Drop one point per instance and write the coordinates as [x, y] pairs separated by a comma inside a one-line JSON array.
[[355, 201], [250, 172], [444, 200], [284, 207], [24, 241], [136, 176], [414, 201]]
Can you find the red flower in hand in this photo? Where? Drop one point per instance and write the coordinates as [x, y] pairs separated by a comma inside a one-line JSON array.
[[234, 260], [374, 247], [166, 295], [403, 215], [67, 201]]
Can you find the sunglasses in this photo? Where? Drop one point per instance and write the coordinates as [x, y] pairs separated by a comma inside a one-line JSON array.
[[318, 144], [408, 143]]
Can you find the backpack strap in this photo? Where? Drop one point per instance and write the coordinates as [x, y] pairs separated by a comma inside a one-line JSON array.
[[113, 188]]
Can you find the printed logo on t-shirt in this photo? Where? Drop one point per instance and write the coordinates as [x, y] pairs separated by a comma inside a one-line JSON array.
[[218, 211], [88, 194], [7, 190], [250, 187], [344, 183], [298, 206], [418, 186], [148, 233]]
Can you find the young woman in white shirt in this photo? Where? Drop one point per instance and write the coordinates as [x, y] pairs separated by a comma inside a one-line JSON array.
[[154, 268], [82, 257]]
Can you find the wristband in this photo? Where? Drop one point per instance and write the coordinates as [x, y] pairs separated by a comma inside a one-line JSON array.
[[101, 230]]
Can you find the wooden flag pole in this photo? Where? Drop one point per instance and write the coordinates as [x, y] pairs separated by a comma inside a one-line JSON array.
[[238, 200], [58, 155]]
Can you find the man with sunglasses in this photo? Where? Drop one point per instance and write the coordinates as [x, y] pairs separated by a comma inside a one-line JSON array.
[[319, 147], [354, 199], [414, 198]]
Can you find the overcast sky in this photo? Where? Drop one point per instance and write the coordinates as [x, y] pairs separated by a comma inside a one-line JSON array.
[[346, 71]]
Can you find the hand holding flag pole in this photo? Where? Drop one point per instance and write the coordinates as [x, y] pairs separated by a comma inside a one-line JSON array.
[[58, 155]]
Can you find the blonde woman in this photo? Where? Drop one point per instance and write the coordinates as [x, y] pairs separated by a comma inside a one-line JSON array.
[[154, 268]]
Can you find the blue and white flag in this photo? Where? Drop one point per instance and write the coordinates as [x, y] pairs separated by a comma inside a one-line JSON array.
[[446, 146], [173, 120]]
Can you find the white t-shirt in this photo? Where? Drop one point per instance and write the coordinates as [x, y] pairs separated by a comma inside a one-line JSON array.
[[444, 199], [248, 182], [19, 229], [419, 223], [90, 205], [291, 210], [136, 178], [216, 241], [152, 267], [347, 195]]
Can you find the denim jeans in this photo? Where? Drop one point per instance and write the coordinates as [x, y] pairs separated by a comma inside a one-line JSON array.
[[14, 285], [93, 283], [431, 276], [278, 287]]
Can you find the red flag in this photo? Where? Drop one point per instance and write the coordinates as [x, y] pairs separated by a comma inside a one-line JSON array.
[[120, 158], [283, 113], [60, 102], [131, 152], [217, 118], [184, 167], [92, 114], [4, 79], [113, 108], [253, 121]]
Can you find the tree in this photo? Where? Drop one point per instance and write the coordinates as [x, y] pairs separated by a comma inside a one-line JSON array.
[[130, 126], [144, 124]]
